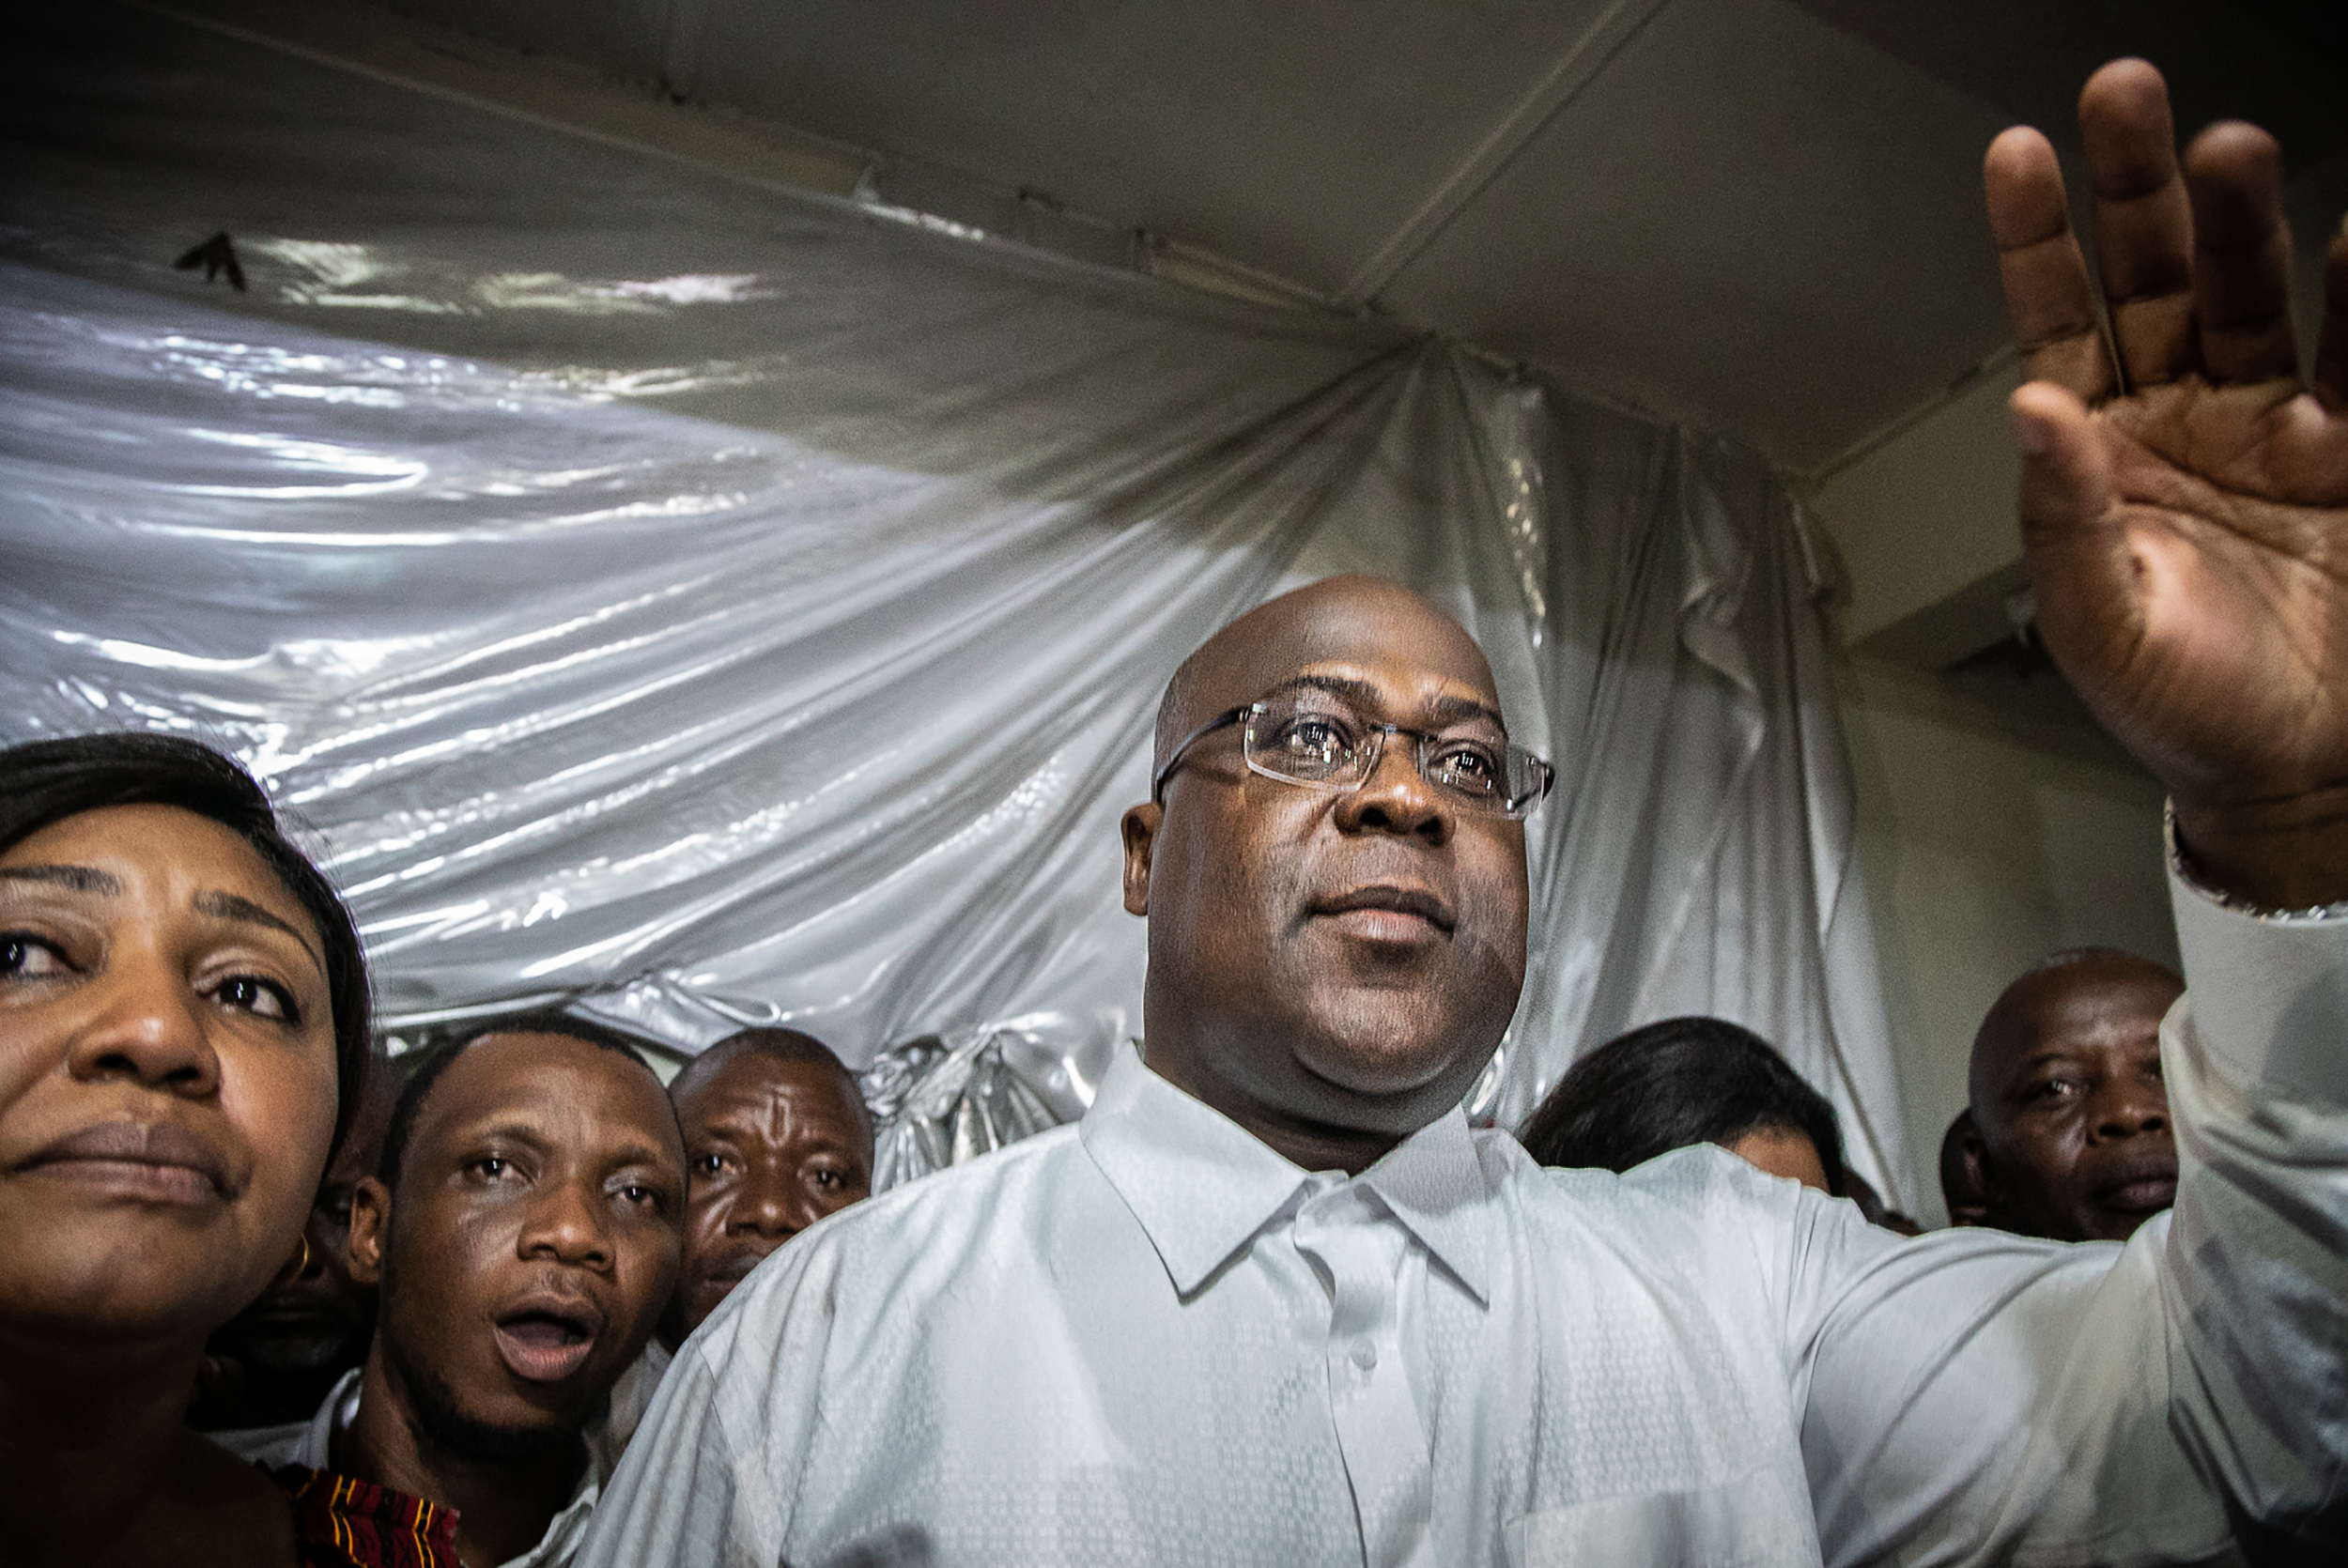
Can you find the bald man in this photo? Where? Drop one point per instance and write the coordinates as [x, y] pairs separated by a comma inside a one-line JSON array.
[[2068, 1131], [777, 1136], [1274, 1301]]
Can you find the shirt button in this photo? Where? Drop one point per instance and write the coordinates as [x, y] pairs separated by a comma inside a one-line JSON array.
[[1365, 1354]]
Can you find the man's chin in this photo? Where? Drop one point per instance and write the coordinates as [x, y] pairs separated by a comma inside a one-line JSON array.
[[488, 1440], [2118, 1224], [1389, 1088], [1395, 1037], [512, 1426]]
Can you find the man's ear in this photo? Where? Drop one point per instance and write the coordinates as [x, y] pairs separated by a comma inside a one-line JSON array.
[[370, 1222], [1140, 828], [1972, 1197]]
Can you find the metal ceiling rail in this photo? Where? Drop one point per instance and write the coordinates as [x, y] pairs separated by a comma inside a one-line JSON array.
[[567, 97]]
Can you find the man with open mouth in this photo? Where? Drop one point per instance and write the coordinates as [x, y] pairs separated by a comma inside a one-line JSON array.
[[523, 1237]]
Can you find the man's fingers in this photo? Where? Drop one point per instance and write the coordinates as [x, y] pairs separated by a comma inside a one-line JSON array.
[[2331, 341], [2079, 569], [2047, 294], [2143, 223], [2066, 475], [2242, 255]]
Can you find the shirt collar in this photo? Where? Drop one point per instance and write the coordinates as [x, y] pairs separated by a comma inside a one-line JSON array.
[[1202, 1186], [335, 1415], [562, 1532], [568, 1527], [1433, 1183]]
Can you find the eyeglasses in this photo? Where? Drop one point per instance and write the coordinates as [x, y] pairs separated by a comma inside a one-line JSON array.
[[1313, 738]]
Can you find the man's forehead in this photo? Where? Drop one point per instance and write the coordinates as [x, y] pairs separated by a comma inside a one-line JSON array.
[[501, 1075], [2079, 1006], [1360, 628], [755, 1075], [2106, 987]]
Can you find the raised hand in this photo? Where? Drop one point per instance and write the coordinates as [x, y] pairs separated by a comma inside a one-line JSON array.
[[2185, 496]]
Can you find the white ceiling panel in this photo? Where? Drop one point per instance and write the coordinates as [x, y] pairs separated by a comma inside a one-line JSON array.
[[1292, 137], [1751, 219]]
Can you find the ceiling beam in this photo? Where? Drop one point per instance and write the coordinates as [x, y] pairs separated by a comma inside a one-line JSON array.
[[1564, 81], [562, 95], [538, 89]]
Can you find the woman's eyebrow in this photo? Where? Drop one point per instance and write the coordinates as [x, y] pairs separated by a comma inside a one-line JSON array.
[[81, 879], [229, 906]]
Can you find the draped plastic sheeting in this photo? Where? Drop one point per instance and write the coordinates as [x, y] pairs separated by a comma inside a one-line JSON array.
[[710, 605], [940, 1101]]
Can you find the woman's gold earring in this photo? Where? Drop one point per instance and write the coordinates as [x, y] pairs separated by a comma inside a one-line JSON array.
[[295, 1265]]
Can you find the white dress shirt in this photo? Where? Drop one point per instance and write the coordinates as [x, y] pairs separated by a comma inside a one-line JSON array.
[[1150, 1339], [631, 1397], [311, 1443]]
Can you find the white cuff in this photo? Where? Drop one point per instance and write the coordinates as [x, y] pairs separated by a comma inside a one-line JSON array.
[[2268, 991]]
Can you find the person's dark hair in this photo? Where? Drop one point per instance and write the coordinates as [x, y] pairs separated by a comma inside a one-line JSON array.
[[1670, 1085], [44, 782], [419, 1085]]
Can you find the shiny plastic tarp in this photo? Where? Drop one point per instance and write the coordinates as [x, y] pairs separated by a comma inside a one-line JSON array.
[[707, 605], [941, 1100]]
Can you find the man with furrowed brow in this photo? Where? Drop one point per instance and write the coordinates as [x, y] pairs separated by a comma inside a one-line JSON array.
[[1273, 1301]]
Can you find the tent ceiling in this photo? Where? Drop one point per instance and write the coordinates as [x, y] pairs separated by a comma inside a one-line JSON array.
[[1761, 216]]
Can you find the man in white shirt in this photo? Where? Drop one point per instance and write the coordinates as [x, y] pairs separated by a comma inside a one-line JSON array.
[[1273, 1301]]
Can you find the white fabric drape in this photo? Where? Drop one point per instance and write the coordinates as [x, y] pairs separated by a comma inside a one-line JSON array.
[[715, 605]]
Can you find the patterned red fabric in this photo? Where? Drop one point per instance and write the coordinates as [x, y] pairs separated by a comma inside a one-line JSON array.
[[343, 1522]]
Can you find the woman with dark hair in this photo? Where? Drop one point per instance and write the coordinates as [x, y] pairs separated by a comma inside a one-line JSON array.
[[183, 1029], [1688, 1081]]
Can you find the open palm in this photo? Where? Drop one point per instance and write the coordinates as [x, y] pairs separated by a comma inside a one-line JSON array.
[[2185, 497]]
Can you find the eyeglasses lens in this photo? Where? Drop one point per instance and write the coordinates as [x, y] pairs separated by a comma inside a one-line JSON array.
[[1307, 744], [1314, 739]]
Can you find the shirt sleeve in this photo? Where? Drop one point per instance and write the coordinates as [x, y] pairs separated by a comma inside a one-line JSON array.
[[695, 1485], [1977, 1398]]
